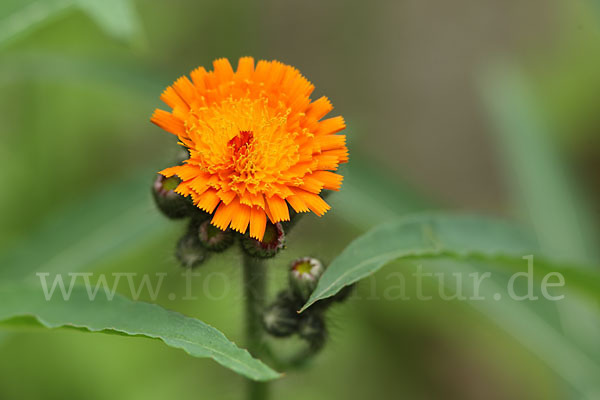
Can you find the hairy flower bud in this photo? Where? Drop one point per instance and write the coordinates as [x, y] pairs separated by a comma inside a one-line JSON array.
[[280, 319], [190, 252], [171, 204], [273, 241], [214, 239], [312, 329], [304, 275]]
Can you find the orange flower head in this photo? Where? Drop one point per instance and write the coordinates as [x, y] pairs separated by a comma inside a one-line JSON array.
[[256, 142]]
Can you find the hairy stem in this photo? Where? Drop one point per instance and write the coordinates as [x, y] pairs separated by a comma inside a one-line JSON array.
[[255, 285]]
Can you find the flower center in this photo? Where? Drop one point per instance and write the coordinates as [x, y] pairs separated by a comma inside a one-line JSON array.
[[247, 143], [303, 268], [241, 141]]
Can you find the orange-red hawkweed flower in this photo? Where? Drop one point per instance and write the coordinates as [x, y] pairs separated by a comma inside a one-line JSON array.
[[256, 142]]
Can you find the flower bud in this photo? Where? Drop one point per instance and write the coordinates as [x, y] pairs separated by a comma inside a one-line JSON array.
[[273, 241], [171, 204], [280, 319], [312, 329], [213, 238], [190, 252], [304, 275]]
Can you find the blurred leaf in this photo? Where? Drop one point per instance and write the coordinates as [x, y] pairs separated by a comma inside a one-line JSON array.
[[542, 185], [543, 189], [117, 18], [26, 16], [123, 316], [115, 219], [423, 236], [525, 322], [64, 69]]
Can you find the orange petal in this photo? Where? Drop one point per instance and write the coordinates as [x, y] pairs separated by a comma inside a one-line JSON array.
[[313, 201], [262, 70], [258, 223], [312, 184], [241, 218], [224, 214], [168, 122], [208, 200], [282, 190], [188, 171], [276, 74], [331, 125], [319, 108], [198, 76], [330, 142], [245, 68], [223, 69], [169, 172], [330, 180], [183, 189], [172, 99], [327, 161], [226, 196], [258, 200], [278, 208], [200, 183], [341, 154], [185, 172], [186, 90], [297, 203]]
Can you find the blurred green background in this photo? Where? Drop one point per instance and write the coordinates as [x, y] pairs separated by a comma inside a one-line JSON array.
[[471, 105]]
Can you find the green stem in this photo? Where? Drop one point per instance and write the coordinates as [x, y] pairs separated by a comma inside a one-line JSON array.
[[255, 287]]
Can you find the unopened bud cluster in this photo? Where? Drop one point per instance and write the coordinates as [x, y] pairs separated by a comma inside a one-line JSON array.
[[281, 318]]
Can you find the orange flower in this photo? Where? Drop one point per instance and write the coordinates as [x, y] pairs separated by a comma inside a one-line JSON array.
[[256, 142]]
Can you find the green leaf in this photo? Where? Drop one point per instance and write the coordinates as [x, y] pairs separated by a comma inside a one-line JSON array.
[[63, 69], [19, 18], [543, 190], [542, 187], [423, 236], [117, 18], [123, 316], [527, 322], [102, 226]]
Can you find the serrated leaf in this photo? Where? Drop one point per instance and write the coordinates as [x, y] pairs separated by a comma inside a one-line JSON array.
[[422, 236], [123, 316]]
